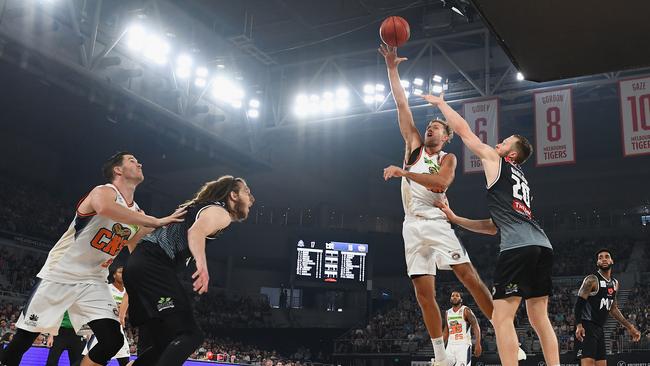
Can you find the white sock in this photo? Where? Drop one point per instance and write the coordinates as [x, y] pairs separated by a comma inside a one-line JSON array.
[[439, 349]]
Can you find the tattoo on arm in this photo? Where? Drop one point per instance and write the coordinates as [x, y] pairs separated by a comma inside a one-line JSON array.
[[616, 313], [473, 322], [588, 286]]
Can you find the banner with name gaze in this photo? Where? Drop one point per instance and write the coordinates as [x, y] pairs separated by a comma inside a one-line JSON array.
[[554, 132], [483, 119], [635, 115]]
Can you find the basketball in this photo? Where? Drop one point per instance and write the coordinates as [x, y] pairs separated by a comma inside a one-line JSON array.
[[395, 31]]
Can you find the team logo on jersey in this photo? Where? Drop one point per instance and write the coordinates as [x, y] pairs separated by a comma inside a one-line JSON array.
[[165, 303], [434, 167], [111, 241], [610, 291]]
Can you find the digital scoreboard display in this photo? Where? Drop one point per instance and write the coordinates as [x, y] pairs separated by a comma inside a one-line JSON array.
[[331, 261]]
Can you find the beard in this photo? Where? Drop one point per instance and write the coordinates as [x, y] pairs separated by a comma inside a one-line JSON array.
[[605, 267], [455, 303], [241, 211]]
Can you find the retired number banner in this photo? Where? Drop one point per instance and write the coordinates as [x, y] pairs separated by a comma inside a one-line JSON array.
[[554, 135], [635, 115], [483, 118]]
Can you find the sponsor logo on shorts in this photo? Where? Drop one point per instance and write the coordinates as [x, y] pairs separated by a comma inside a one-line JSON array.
[[579, 353], [32, 320], [511, 288], [115, 311], [165, 303]]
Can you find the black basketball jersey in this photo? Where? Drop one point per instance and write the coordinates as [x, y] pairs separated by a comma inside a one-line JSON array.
[[509, 198], [173, 237], [599, 302]]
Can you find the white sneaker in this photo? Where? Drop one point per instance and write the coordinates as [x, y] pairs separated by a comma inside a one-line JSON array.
[[521, 355], [449, 361]]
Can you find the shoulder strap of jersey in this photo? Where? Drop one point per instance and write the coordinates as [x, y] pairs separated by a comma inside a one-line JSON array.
[[498, 175]]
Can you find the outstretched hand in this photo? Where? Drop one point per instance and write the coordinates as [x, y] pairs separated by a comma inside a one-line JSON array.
[[390, 55], [393, 171], [434, 100]]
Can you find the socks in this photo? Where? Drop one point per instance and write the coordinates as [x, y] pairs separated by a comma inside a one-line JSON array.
[[439, 349]]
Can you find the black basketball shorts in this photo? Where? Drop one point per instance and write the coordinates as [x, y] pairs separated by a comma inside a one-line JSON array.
[[523, 272]]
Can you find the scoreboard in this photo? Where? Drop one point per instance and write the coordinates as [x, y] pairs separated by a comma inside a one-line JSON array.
[[331, 261]]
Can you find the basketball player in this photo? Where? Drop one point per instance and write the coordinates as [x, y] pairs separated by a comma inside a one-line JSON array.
[[596, 300], [429, 240], [118, 292], [73, 277], [157, 300], [523, 269], [457, 331]]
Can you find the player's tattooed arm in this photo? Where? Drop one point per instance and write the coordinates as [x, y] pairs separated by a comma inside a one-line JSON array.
[[589, 285], [476, 330], [616, 313], [445, 329]]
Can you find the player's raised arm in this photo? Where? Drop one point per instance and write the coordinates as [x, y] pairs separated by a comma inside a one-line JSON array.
[[407, 127], [462, 129], [485, 226]]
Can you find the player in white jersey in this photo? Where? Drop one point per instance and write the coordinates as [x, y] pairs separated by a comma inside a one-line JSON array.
[[73, 277], [429, 241], [459, 320], [119, 295]]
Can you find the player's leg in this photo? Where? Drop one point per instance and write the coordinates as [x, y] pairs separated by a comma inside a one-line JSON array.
[[20, 343], [601, 363], [109, 341], [186, 338], [425, 294], [504, 328], [75, 346], [537, 309], [468, 276], [588, 361]]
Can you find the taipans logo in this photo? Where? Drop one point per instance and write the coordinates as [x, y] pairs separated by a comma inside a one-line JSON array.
[[511, 288], [111, 241], [32, 320], [165, 303]]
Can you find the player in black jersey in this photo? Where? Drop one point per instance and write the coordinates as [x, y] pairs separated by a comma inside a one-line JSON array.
[[157, 299], [526, 256], [596, 300]]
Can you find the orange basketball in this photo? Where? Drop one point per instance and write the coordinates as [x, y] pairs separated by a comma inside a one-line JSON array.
[[395, 31]]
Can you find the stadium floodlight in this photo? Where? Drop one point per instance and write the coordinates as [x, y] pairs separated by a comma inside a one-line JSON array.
[[238, 93], [201, 71], [405, 83], [379, 97], [520, 76], [327, 106], [418, 82], [417, 91], [221, 66], [368, 99], [200, 82], [236, 104], [342, 104], [183, 66], [437, 89], [156, 49], [136, 37], [328, 95], [408, 93], [368, 89], [253, 113], [314, 98], [254, 103], [379, 87], [437, 78], [342, 93]]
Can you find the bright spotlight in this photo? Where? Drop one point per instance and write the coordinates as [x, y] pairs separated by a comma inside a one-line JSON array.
[[156, 49], [184, 60], [437, 89], [136, 37], [408, 93], [254, 103], [200, 82], [328, 95], [201, 72], [405, 83], [236, 103], [380, 87], [368, 89], [301, 99], [342, 104], [314, 98], [327, 106], [418, 82], [253, 113], [238, 93], [417, 91], [183, 66], [437, 78], [379, 97], [369, 99], [520, 76], [342, 93]]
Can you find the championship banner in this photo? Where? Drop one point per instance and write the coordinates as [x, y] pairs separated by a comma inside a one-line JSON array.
[[483, 118], [635, 115], [554, 134]]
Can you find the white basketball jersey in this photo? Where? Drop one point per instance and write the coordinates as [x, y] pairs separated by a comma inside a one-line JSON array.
[[88, 247], [118, 295], [458, 327], [416, 198]]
